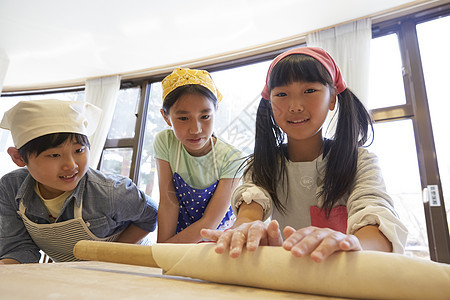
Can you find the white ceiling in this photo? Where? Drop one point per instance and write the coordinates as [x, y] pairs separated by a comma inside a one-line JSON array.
[[56, 42]]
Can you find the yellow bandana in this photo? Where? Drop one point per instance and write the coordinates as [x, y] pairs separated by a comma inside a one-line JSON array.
[[180, 77]]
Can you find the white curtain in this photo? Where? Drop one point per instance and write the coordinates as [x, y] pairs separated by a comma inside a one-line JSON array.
[[4, 63], [349, 45], [102, 92]]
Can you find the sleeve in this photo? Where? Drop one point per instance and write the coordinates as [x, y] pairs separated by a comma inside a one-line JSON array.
[[161, 145], [248, 192], [133, 205], [231, 166], [15, 242], [369, 203]]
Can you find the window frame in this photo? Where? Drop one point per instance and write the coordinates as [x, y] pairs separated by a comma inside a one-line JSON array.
[[416, 108], [135, 143]]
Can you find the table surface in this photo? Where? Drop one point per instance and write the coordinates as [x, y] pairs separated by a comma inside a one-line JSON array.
[[101, 280]]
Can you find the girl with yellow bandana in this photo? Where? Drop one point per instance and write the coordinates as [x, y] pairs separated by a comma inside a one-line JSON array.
[[197, 171]]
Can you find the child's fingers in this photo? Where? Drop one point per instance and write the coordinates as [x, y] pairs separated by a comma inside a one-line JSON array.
[[296, 236], [224, 241], [238, 239], [310, 241], [274, 237], [321, 243], [350, 243], [336, 242], [210, 234], [256, 235], [329, 245], [288, 231]]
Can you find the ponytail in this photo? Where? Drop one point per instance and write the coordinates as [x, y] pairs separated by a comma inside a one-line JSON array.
[[351, 133], [267, 164]]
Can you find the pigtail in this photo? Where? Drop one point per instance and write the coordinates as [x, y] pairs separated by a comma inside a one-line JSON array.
[[351, 133], [266, 164]]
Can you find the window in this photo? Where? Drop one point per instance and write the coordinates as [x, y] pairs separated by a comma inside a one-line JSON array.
[[236, 114], [386, 78], [408, 140], [395, 147], [117, 161], [394, 141], [434, 53], [124, 120], [118, 155], [148, 180]]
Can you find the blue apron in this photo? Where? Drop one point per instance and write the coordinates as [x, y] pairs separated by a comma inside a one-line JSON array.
[[193, 201]]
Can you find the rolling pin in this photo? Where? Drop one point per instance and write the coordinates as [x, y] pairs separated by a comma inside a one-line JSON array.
[[356, 275], [121, 253]]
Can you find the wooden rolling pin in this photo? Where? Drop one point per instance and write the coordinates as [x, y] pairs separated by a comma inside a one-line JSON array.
[[122, 253]]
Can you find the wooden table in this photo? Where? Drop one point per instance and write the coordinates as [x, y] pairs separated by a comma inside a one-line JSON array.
[[100, 280]]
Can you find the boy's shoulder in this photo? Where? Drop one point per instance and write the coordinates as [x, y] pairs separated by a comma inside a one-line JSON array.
[[95, 176], [16, 180], [17, 174], [98, 184]]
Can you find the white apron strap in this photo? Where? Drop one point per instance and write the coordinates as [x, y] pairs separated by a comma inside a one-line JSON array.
[[213, 152], [178, 156], [214, 158]]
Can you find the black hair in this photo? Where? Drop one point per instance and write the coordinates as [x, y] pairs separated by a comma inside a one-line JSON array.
[[173, 96], [40, 144], [267, 164]]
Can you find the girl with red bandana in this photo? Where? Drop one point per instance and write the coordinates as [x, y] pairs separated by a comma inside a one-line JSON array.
[[327, 195]]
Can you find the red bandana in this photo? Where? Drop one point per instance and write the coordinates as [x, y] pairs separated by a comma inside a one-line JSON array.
[[318, 53]]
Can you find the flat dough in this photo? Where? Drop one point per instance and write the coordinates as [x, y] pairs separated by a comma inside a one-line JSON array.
[[362, 275]]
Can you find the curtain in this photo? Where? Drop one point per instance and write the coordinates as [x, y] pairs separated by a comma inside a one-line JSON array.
[[4, 62], [349, 45], [6, 163], [102, 92]]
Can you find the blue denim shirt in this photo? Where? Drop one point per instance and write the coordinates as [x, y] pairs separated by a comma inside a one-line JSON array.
[[110, 204]]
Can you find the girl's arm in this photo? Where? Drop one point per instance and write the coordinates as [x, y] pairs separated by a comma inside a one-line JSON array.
[[248, 213], [214, 213], [132, 234], [371, 238], [369, 203], [168, 203]]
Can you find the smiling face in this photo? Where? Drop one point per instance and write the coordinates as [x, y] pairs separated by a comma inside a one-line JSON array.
[[59, 169], [192, 118], [300, 109]]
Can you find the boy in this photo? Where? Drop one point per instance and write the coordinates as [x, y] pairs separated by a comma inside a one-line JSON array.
[[57, 199]]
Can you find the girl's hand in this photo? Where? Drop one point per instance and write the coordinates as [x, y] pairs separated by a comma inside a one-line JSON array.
[[318, 242], [250, 234]]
